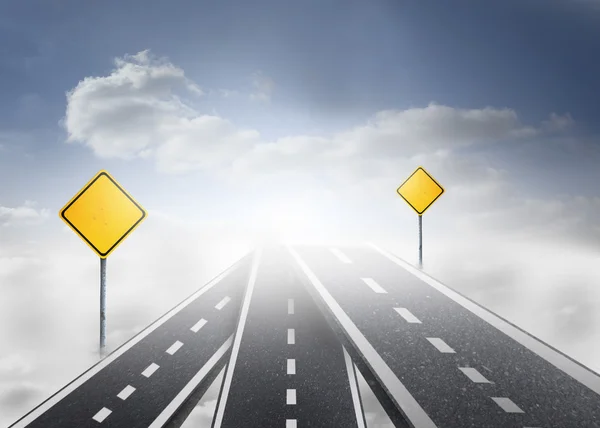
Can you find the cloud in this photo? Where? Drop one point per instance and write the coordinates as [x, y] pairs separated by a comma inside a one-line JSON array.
[[263, 87], [13, 364], [138, 111], [228, 93], [109, 113], [135, 111], [558, 123], [26, 214], [18, 395], [435, 127], [202, 415]]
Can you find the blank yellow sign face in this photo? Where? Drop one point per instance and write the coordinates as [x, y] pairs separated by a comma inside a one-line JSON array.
[[420, 190], [103, 214]]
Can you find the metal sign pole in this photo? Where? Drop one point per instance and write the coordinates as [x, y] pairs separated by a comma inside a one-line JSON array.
[[420, 241], [102, 305]]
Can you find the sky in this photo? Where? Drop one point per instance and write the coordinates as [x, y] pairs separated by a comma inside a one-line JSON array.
[[230, 121]]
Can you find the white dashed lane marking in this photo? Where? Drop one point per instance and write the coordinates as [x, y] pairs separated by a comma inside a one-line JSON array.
[[198, 325], [290, 306], [341, 256], [291, 336], [290, 398], [407, 315], [441, 345], [291, 366], [222, 303], [291, 423], [126, 392], [507, 405], [474, 375], [373, 285], [174, 347], [150, 370], [102, 414]]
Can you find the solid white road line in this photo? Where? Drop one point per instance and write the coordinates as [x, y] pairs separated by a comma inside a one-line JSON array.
[[62, 393], [126, 392], [236, 342], [150, 370], [290, 397], [174, 347], [291, 423], [290, 306], [222, 303], [577, 371], [358, 409], [397, 391], [102, 414], [441, 345], [341, 256], [373, 285], [291, 366], [407, 315], [198, 325], [507, 405], [474, 375], [180, 398], [291, 336]]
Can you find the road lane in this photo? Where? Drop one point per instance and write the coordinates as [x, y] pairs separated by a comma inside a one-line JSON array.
[[152, 369], [429, 358], [290, 369]]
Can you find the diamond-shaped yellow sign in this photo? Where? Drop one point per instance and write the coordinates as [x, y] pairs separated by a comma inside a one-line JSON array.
[[420, 190], [103, 214]]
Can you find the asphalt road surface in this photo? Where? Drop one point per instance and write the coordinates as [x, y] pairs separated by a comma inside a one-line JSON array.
[[443, 360], [145, 381], [287, 368]]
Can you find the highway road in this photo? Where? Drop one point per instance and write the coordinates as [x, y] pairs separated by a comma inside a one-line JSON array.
[[144, 382], [287, 368], [442, 360]]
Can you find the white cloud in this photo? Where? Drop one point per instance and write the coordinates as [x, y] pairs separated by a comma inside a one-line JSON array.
[[205, 142], [558, 123], [18, 397], [136, 112], [417, 130], [228, 93], [263, 87], [107, 113], [13, 364], [25, 214]]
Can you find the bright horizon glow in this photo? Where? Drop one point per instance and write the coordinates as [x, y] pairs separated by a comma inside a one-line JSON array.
[[289, 221]]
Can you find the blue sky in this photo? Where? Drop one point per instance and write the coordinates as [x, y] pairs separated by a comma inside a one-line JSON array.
[[328, 67], [334, 63], [228, 118], [333, 57]]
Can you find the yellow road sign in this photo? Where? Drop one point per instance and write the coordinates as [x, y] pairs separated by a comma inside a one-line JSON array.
[[420, 190], [103, 214]]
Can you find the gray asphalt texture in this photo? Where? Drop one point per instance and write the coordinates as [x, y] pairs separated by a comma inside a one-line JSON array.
[[153, 394], [257, 397], [547, 396]]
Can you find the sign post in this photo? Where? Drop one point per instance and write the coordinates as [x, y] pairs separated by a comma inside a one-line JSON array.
[[420, 191], [102, 304], [420, 241], [103, 214]]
